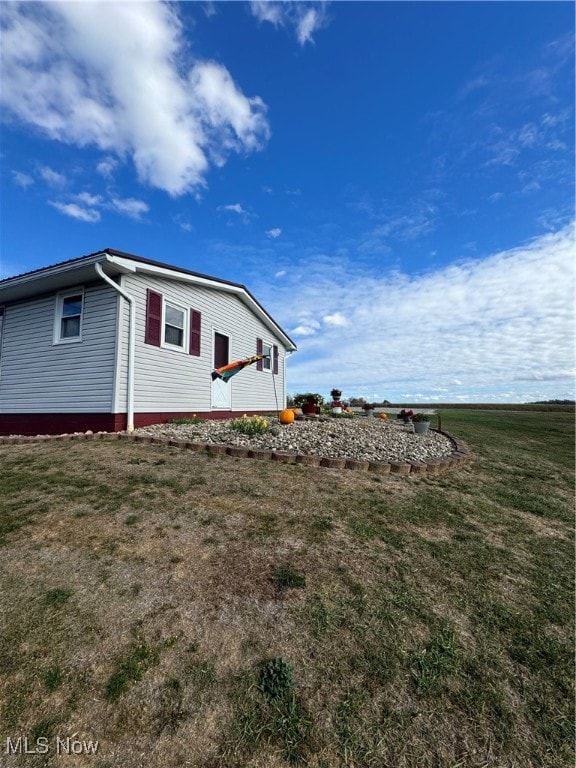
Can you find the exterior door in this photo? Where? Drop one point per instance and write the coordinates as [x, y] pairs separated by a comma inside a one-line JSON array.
[[221, 390]]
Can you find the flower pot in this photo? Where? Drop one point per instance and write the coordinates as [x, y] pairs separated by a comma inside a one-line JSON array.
[[369, 411], [421, 427], [337, 409]]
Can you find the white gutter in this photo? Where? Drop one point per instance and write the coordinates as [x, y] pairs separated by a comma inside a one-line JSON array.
[[131, 346]]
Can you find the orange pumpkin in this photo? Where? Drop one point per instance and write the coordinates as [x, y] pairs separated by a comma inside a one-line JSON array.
[[286, 416], [383, 415]]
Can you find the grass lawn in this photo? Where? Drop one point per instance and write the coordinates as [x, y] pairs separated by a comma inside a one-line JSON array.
[[188, 610]]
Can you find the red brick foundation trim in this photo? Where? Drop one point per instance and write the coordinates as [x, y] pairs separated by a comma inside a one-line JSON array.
[[60, 423], [459, 455], [68, 423]]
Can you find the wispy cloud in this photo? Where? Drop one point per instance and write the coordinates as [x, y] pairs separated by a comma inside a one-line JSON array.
[[233, 208], [52, 177], [22, 179], [274, 233], [335, 320], [130, 207], [78, 212], [87, 73], [487, 323], [106, 167], [88, 207], [305, 18]]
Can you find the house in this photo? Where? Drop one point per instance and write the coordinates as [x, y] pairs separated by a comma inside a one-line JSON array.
[[112, 341]]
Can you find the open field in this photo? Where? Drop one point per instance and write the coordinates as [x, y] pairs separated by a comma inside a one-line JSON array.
[[189, 610]]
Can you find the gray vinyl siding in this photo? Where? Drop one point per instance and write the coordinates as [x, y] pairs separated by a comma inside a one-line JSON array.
[[168, 380], [38, 376]]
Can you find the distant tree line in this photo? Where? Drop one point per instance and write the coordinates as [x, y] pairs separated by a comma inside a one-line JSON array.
[[553, 402]]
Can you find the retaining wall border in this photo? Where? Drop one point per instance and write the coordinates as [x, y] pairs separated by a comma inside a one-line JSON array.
[[460, 453]]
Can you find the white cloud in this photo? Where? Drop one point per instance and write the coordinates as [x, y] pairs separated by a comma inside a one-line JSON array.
[[305, 18], [88, 74], [532, 186], [130, 207], [495, 197], [280, 273], [303, 330], [77, 212], [107, 167], [265, 10], [274, 233], [52, 177], [307, 24], [87, 207], [22, 179], [337, 320], [490, 324], [307, 325], [88, 199], [233, 208]]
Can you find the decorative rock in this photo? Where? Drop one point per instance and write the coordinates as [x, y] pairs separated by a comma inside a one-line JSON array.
[[239, 453], [380, 467], [309, 461], [178, 443], [258, 453], [198, 447], [380, 446], [216, 450], [399, 469], [285, 458], [333, 463], [356, 464]]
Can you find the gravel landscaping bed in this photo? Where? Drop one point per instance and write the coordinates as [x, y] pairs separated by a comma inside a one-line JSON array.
[[365, 439]]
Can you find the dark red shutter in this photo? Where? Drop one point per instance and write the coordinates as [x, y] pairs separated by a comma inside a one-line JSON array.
[[153, 318], [259, 348], [195, 325], [275, 352]]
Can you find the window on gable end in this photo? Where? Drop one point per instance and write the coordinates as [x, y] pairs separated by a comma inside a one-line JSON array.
[[69, 314]]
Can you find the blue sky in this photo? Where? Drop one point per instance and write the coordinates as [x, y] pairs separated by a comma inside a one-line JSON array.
[[394, 181]]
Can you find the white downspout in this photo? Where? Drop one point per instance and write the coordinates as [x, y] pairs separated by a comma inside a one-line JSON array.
[[286, 356], [131, 346]]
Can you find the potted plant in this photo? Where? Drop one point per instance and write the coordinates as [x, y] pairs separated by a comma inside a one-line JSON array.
[[421, 423], [406, 415], [311, 403], [336, 404], [368, 409]]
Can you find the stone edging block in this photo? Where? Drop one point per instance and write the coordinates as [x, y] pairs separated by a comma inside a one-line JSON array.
[[460, 454]]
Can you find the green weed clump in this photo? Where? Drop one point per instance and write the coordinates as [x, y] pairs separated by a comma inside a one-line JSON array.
[[276, 678], [185, 420], [435, 662], [285, 577], [251, 425], [130, 669]]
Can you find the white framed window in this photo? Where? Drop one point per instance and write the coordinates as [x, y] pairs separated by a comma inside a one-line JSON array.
[[69, 314], [267, 351], [174, 326]]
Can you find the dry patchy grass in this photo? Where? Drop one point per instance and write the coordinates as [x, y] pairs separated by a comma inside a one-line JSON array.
[[424, 621]]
